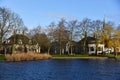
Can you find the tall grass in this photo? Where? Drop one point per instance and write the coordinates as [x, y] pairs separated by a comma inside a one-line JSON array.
[[26, 56], [8, 57]]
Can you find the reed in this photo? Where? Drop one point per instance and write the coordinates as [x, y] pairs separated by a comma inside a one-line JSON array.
[[8, 57], [38, 56], [26, 56], [46, 56]]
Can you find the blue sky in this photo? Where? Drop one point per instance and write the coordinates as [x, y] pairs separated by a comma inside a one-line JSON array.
[[43, 12]]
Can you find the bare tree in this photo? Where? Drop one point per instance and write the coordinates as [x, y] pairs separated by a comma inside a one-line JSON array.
[[8, 21], [71, 28], [84, 29], [97, 28], [61, 28], [51, 34], [38, 35], [63, 35], [97, 32]]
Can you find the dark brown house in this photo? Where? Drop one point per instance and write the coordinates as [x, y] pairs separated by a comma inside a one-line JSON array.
[[19, 43]]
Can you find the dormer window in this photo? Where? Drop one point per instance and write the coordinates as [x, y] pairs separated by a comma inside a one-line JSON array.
[[7, 41]]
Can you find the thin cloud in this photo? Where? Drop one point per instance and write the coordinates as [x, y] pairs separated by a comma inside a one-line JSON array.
[[115, 16], [59, 16]]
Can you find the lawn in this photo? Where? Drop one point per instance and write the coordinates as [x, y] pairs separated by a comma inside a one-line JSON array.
[[64, 55], [83, 56], [77, 56], [2, 57]]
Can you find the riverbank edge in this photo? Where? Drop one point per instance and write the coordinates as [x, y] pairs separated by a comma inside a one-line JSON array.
[[99, 58], [79, 58]]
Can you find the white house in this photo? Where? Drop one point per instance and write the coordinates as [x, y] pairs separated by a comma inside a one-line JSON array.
[[92, 48]]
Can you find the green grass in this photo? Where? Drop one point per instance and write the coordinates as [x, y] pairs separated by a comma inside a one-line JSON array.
[[65, 55], [75, 56], [83, 56], [2, 57], [118, 56], [112, 56]]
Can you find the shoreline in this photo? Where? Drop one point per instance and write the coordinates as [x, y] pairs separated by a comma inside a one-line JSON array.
[[80, 58], [92, 58], [77, 57]]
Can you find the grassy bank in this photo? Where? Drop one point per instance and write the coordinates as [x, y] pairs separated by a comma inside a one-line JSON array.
[[83, 56], [32, 56], [2, 57]]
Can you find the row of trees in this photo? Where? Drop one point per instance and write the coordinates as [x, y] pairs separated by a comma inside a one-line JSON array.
[[67, 32], [61, 33]]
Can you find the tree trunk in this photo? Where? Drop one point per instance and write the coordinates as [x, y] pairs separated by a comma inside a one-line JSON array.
[[71, 50], [115, 53], [0, 43], [49, 50], [96, 50]]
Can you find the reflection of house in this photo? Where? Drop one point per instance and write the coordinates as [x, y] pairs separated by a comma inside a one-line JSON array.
[[20, 43]]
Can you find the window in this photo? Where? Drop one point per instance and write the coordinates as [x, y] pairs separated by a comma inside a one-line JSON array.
[[91, 48], [99, 49], [7, 41]]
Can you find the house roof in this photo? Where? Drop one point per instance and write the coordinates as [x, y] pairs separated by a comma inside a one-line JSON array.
[[89, 40], [18, 39]]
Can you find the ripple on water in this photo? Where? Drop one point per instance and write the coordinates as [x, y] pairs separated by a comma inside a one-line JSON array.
[[62, 69]]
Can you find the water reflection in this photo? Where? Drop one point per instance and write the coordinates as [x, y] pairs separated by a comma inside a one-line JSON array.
[[61, 69]]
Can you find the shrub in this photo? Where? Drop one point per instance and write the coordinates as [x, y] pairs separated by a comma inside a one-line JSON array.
[[26, 56], [8, 57]]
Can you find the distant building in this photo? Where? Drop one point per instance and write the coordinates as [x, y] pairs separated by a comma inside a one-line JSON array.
[[19, 43], [93, 46]]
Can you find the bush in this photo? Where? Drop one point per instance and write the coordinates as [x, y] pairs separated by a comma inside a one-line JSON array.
[[8, 57], [26, 56]]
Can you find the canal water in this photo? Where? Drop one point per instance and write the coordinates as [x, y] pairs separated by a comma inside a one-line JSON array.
[[61, 69]]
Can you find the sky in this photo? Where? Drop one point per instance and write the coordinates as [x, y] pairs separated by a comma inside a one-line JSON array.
[[43, 12]]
